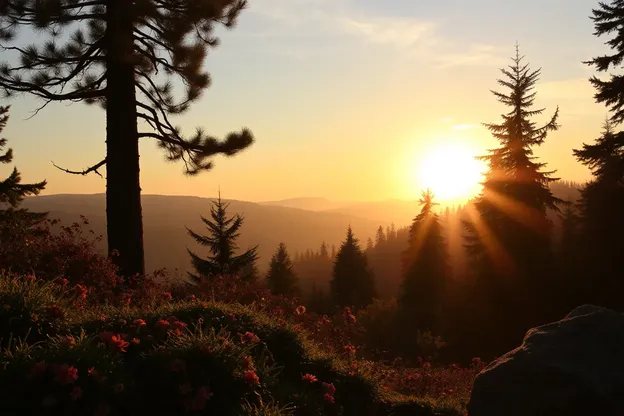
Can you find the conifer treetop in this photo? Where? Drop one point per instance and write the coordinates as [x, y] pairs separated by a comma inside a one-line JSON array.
[[170, 39]]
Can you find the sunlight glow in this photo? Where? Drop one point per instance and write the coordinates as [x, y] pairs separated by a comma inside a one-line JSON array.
[[451, 172]]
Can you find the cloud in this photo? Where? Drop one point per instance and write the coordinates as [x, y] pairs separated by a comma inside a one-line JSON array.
[[413, 38]]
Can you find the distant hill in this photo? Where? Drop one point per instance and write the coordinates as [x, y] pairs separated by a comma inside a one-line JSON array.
[[165, 218], [310, 204]]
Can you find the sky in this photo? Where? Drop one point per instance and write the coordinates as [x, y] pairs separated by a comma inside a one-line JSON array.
[[346, 98]]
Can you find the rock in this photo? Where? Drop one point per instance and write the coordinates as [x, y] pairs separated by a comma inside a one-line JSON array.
[[571, 367]]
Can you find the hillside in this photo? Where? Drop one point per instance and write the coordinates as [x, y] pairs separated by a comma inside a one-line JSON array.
[[166, 216]]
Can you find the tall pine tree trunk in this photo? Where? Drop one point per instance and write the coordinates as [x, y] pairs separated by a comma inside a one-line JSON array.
[[123, 191]]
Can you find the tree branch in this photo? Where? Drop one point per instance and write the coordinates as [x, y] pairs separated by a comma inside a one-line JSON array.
[[85, 172]]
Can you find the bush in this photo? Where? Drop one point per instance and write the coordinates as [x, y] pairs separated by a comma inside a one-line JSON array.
[[193, 356]]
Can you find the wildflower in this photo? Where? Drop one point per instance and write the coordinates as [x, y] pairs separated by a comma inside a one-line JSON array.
[[68, 341], [76, 393], [167, 296], [162, 324], [139, 323], [251, 378], [179, 324], [186, 389], [62, 282], [135, 341], [328, 398], [66, 374], [309, 378], [300, 310], [122, 321], [331, 389], [127, 300], [30, 278], [192, 297], [119, 388], [349, 349], [177, 332], [81, 291], [119, 343], [55, 312], [38, 369], [250, 337], [177, 365], [49, 401], [34, 317]]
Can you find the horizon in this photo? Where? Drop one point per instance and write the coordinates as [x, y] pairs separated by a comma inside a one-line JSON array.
[[417, 96]]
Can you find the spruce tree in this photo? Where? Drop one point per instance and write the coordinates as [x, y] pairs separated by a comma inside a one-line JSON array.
[[323, 252], [15, 220], [126, 56], [607, 20], [425, 269], [352, 280], [281, 277], [221, 241], [509, 241], [369, 244], [380, 238], [602, 223]]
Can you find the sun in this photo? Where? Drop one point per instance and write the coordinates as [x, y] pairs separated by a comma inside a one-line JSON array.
[[451, 172]]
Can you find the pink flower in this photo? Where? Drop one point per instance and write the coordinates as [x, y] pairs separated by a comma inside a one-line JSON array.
[[331, 389], [251, 378], [162, 323], [309, 378], [328, 398]]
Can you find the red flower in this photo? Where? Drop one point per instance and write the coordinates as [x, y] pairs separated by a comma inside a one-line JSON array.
[[247, 362], [177, 365], [135, 341], [162, 323], [119, 343], [55, 312], [30, 278], [127, 299], [300, 310], [167, 296], [38, 369], [309, 378], [250, 337], [328, 398], [66, 374], [122, 321], [63, 282], [139, 323], [251, 378], [179, 324], [331, 389], [81, 291], [76, 393], [349, 349], [68, 341]]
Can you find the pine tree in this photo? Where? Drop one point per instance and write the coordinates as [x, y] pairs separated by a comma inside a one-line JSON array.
[[15, 220], [425, 269], [352, 280], [281, 277], [380, 238], [125, 56], [324, 253], [221, 241], [607, 19], [510, 240], [602, 224], [369, 244], [333, 252]]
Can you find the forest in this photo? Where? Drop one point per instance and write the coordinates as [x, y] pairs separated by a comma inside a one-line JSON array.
[[399, 323]]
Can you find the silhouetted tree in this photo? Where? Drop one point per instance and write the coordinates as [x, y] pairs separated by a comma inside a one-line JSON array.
[[607, 20], [15, 220], [509, 236], [324, 253], [221, 241], [426, 270], [601, 208], [281, 277], [369, 244], [352, 283], [123, 55], [380, 238]]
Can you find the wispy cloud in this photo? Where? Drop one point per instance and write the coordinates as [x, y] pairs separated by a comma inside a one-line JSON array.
[[413, 38]]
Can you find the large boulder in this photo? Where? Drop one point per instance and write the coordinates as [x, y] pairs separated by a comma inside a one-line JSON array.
[[571, 367]]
